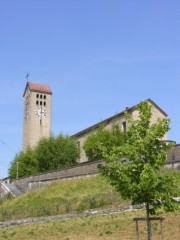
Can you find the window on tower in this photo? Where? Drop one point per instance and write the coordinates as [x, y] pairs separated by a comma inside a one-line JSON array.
[[37, 95], [37, 102], [44, 103], [44, 96]]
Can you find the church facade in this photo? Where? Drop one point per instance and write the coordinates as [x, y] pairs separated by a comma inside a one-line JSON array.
[[120, 119]]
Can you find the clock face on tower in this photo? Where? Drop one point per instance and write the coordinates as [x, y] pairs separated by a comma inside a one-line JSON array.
[[41, 112]]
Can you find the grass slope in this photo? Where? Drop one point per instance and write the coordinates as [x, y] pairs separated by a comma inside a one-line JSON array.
[[66, 196], [61, 197], [110, 227], [79, 195]]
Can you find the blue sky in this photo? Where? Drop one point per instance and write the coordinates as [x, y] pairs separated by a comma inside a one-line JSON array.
[[98, 57]]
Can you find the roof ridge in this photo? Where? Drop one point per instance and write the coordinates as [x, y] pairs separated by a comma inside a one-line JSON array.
[[38, 87]]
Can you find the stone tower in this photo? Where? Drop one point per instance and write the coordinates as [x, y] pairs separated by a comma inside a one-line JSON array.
[[37, 113]]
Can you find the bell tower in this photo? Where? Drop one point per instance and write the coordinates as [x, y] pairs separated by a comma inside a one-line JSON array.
[[37, 113]]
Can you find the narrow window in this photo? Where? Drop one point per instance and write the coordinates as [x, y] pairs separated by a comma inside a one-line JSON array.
[[37, 95], [44, 103], [44, 96], [41, 96], [78, 144], [37, 102], [41, 103], [124, 127]]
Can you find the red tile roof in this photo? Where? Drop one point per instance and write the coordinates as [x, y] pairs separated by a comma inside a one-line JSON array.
[[38, 88]]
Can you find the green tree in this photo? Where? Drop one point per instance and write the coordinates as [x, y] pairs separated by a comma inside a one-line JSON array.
[[50, 154], [55, 153], [24, 164], [108, 137], [134, 168]]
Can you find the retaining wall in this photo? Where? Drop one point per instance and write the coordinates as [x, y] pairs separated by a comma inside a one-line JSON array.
[[84, 169], [80, 170], [174, 154]]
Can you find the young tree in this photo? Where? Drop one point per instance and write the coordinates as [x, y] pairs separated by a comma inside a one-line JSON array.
[[108, 137], [134, 168]]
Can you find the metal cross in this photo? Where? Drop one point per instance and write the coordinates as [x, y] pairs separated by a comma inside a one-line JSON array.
[[27, 76]]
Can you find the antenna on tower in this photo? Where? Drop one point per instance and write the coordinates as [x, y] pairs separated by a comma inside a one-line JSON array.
[[27, 76]]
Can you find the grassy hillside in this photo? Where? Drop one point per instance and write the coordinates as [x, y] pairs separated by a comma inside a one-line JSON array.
[[110, 227], [66, 196], [61, 197]]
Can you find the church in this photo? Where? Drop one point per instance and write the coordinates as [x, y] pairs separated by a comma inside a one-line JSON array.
[[37, 118]]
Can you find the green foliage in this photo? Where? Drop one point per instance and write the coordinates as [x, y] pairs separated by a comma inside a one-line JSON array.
[[143, 155], [50, 154], [24, 164], [56, 153], [105, 137], [67, 196]]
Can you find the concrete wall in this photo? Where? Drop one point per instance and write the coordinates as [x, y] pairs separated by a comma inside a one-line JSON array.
[[80, 170], [174, 154], [83, 169]]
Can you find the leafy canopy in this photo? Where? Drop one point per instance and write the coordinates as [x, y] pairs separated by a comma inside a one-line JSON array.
[[134, 167], [24, 164], [107, 137], [50, 154], [56, 153]]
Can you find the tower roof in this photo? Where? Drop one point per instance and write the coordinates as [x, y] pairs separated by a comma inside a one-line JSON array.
[[36, 87]]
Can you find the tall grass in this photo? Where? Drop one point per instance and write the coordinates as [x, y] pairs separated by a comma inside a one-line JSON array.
[[66, 196], [62, 197]]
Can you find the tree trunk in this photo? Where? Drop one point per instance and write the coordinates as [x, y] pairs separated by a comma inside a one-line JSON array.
[[149, 231]]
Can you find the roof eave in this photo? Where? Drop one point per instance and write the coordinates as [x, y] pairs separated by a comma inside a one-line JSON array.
[[35, 90], [108, 120]]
